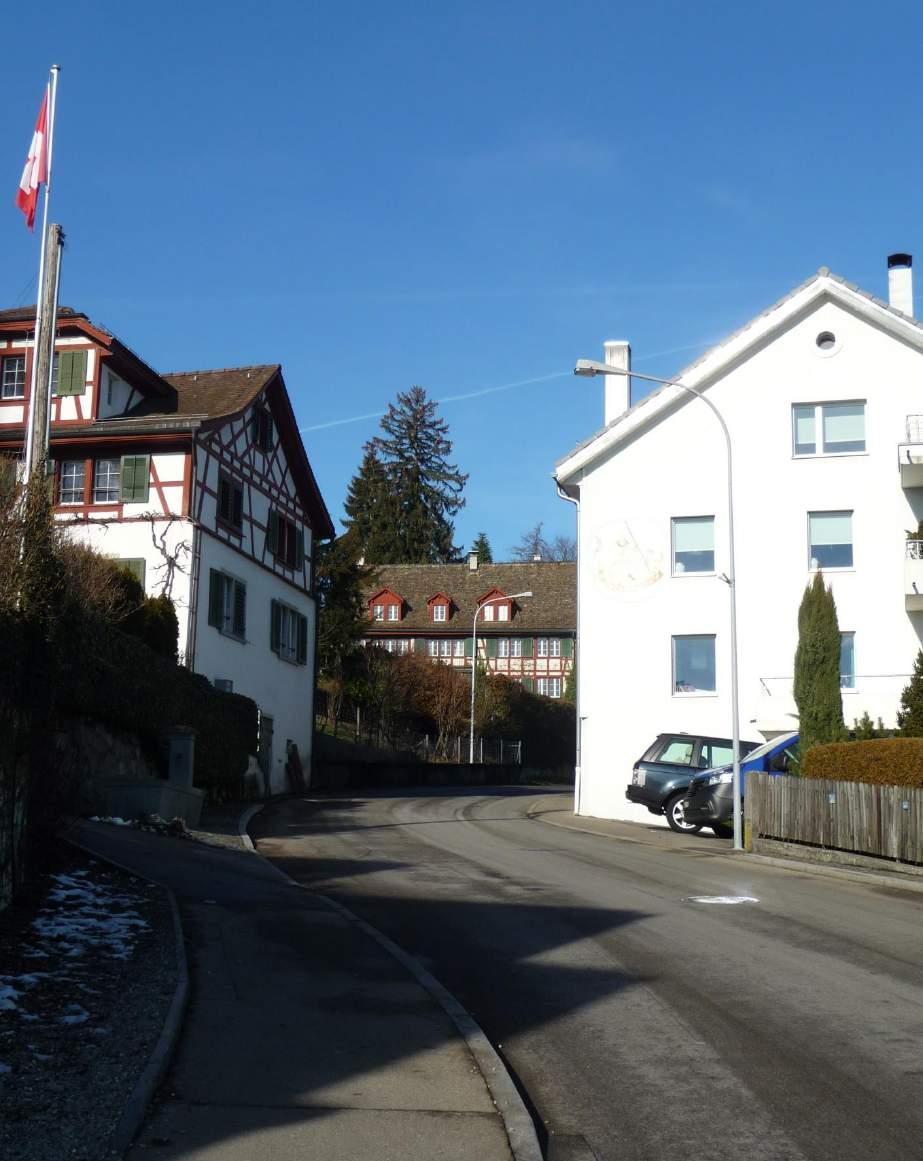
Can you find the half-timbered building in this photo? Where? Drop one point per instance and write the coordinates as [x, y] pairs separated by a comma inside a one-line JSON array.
[[199, 483], [430, 609]]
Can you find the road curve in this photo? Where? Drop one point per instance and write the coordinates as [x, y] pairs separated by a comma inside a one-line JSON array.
[[643, 1017]]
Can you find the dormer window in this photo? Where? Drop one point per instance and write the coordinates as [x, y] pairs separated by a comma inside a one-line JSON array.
[[499, 609], [394, 613], [378, 612], [440, 607], [386, 606]]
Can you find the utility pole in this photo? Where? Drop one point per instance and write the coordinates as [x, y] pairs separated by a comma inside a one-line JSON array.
[[40, 410]]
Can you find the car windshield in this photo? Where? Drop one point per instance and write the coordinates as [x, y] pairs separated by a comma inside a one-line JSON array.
[[780, 741]]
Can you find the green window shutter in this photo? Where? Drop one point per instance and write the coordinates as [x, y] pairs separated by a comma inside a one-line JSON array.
[[272, 532], [275, 625], [215, 603], [419, 645], [491, 643], [567, 646], [469, 646], [72, 372], [527, 684], [240, 609], [302, 657], [299, 549], [527, 644], [135, 479]]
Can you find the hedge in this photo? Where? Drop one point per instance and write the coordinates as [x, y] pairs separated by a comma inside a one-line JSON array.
[[118, 680], [883, 761]]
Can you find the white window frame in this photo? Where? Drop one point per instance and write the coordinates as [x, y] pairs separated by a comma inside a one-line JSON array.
[[503, 646], [378, 612], [698, 637], [445, 647], [515, 647], [543, 647], [458, 648], [65, 479], [549, 686], [683, 571], [107, 493], [394, 613], [820, 450], [503, 612], [8, 389], [288, 632], [432, 647], [439, 612], [487, 612], [813, 564]]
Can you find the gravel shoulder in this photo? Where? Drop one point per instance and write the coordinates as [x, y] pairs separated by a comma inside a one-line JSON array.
[[87, 973]]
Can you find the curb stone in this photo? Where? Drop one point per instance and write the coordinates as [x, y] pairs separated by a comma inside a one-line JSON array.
[[141, 1096], [517, 1123]]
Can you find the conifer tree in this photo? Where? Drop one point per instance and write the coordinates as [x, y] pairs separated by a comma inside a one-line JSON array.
[[400, 505], [817, 668], [910, 715], [482, 547]]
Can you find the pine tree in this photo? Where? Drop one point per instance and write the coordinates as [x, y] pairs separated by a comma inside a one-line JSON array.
[[910, 715], [342, 618], [371, 512], [817, 668], [423, 490], [482, 547]]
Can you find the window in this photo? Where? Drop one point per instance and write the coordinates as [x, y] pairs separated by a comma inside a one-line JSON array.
[[394, 613], [288, 633], [693, 544], [439, 612], [503, 647], [230, 502], [261, 429], [13, 382], [224, 684], [106, 475], [488, 612], [378, 612], [847, 661], [227, 604], [830, 540], [841, 427], [70, 482], [549, 686], [458, 649], [694, 664], [445, 648], [549, 647], [503, 612], [285, 541], [136, 565], [397, 645], [432, 647], [715, 754]]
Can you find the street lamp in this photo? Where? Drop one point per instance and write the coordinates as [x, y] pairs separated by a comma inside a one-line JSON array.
[[590, 368], [474, 658]]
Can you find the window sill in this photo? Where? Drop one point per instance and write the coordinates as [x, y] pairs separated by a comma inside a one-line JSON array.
[[695, 693], [832, 568], [290, 660], [831, 455], [687, 573], [231, 636], [233, 529]]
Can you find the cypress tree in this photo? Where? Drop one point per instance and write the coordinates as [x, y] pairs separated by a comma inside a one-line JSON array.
[[910, 715], [817, 668], [482, 547]]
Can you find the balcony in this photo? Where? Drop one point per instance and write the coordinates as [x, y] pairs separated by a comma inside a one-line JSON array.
[[910, 453], [913, 576]]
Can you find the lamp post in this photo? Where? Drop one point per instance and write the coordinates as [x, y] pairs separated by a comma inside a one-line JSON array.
[[588, 367], [474, 659]]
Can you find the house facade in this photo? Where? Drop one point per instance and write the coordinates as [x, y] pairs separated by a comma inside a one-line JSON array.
[[199, 483], [823, 398], [430, 609]]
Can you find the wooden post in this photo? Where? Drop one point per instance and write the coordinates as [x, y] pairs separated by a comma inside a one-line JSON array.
[[44, 349]]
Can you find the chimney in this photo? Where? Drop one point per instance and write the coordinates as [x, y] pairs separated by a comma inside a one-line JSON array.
[[537, 557], [472, 562], [618, 387], [900, 283]]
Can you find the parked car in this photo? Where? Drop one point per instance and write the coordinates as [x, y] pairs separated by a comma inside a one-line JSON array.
[[710, 799], [661, 776]]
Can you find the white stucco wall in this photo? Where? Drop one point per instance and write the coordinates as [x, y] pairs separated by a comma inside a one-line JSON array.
[[280, 688], [631, 606]]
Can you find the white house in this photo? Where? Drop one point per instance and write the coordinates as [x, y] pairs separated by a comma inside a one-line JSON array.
[[823, 398], [200, 483]]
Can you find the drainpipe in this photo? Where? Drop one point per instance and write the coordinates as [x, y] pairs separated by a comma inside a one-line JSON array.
[[578, 774]]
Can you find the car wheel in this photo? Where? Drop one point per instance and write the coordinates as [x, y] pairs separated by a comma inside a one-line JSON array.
[[673, 809], [723, 829]]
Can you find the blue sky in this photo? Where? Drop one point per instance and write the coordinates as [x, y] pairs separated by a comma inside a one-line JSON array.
[[465, 196]]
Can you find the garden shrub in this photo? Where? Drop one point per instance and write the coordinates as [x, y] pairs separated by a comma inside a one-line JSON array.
[[883, 761]]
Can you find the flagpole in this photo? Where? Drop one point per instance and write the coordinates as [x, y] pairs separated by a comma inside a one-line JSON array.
[[51, 93]]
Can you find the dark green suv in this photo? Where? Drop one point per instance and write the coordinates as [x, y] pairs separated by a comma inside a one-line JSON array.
[[661, 777]]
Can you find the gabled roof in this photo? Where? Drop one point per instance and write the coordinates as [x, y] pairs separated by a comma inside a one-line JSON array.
[[386, 592], [439, 597], [551, 608], [220, 393], [720, 359]]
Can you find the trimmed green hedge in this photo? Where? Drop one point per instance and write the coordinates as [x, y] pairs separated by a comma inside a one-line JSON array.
[[883, 761], [118, 680]]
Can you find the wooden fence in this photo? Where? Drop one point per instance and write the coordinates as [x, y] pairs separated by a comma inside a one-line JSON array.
[[886, 821]]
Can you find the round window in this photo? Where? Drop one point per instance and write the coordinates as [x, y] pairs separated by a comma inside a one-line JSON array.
[[826, 340]]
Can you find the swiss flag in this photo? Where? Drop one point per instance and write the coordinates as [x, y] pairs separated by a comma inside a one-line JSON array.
[[36, 168]]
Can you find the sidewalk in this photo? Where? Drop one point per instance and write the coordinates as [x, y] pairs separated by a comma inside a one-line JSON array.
[[303, 1037]]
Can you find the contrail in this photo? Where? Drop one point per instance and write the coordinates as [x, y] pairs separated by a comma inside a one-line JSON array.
[[494, 390]]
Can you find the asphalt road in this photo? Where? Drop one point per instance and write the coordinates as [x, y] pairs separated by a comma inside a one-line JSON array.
[[641, 1021]]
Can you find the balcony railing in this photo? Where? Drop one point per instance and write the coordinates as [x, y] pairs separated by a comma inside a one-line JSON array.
[[915, 429]]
